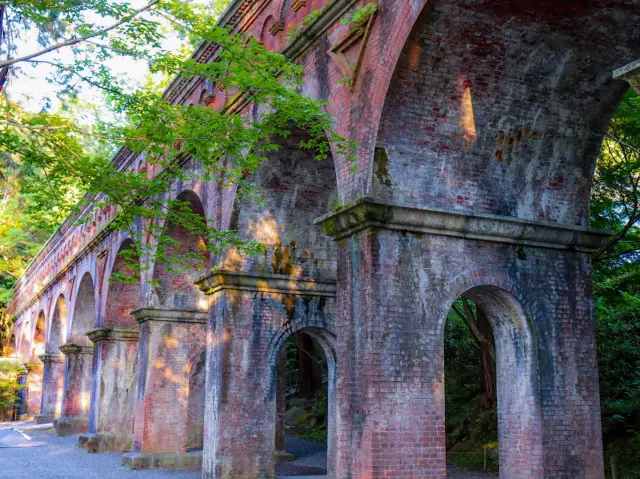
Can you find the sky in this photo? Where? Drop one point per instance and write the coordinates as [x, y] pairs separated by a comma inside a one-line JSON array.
[[32, 90]]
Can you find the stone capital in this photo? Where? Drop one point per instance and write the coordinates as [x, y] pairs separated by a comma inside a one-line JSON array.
[[74, 349], [367, 213], [34, 365], [52, 358], [113, 334], [629, 73], [217, 281], [169, 314]]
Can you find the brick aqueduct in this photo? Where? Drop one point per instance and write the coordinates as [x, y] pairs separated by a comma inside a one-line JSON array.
[[479, 123]]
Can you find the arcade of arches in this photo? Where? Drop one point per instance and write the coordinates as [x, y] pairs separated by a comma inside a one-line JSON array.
[[478, 124]]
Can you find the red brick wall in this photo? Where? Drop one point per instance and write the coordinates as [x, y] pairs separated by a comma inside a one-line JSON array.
[[186, 259], [166, 408], [77, 385]]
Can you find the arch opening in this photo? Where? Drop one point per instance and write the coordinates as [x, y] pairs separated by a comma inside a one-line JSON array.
[[37, 347], [486, 132], [58, 328], [84, 314], [183, 256], [295, 189], [491, 384], [302, 402], [195, 403], [123, 295]]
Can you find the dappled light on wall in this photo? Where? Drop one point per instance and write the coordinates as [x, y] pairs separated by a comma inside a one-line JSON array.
[[467, 118]]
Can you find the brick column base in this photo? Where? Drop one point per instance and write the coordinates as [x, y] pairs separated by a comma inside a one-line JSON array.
[[171, 340], [111, 413], [77, 390], [52, 382]]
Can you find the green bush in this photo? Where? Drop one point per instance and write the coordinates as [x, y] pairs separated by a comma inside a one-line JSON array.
[[9, 387]]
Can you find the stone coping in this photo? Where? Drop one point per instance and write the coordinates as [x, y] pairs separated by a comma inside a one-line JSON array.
[[629, 73], [367, 213], [169, 314], [72, 348], [217, 281], [52, 358], [113, 334]]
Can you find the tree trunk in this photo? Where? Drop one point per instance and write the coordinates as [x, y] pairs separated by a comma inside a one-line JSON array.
[[309, 380], [488, 380]]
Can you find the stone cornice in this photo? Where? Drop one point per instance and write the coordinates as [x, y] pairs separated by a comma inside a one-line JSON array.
[[52, 358], [367, 213], [629, 73], [169, 314], [108, 334], [218, 281], [73, 349], [333, 12]]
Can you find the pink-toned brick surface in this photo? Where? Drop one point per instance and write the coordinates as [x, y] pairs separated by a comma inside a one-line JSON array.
[[168, 404], [476, 106], [77, 385], [34, 388], [393, 296], [52, 387], [249, 331]]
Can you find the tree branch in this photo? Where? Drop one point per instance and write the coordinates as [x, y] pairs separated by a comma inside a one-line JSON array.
[[467, 317], [74, 41]]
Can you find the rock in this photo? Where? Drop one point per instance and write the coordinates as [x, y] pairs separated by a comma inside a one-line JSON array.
[[298, 402], [292, 415]]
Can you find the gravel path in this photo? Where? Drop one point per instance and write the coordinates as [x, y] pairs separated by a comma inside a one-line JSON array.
[[60, 458], [51, 457]]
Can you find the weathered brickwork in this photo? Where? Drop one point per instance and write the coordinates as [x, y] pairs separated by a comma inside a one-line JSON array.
[[247, 330], [478, 124], [170, 343], [399, 288]]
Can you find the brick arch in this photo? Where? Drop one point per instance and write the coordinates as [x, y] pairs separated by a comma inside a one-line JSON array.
[[120, 297], [25, 341], [176, 287], [12, 346], [57, 326], [488, 277], [474, 121], [327, 339], [84, 310], [519, 409], [295, 189], [38, 335]]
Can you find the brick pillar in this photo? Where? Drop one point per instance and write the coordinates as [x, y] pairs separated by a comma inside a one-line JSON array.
[[112, 390], [568, 368], [400, 269], [170, 340], [248, 321], [77, 390], [34, 388], [52, 382]]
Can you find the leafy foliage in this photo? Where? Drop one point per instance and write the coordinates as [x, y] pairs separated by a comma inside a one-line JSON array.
[[615, 206], [9, 386], [69, 159]]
